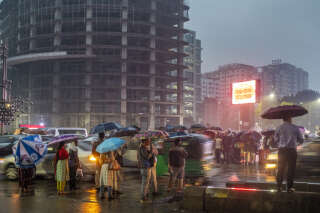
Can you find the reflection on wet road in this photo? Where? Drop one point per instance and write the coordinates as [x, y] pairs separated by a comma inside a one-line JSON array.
[[86, 200]]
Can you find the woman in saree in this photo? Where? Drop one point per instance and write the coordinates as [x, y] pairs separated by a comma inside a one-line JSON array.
[[61, 168]]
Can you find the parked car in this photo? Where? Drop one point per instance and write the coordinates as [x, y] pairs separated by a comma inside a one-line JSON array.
[[46, 167], [57, 131], [308, 159], [6, 143]]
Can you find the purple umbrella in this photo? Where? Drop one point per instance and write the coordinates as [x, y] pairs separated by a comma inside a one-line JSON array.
[[63, 138]]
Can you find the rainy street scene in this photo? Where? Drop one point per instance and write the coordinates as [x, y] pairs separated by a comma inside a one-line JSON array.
[[161, 106]]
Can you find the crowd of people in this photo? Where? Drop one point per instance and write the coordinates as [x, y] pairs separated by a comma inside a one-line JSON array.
[[233, 146], [230, 148]]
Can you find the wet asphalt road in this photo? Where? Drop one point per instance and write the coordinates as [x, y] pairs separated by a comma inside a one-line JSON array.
[[85, 200]]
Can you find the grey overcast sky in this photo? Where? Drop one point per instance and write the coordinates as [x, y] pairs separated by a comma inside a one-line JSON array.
[[257, 31]]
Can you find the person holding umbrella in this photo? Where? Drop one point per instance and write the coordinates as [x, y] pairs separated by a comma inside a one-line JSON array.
[[74, 163], [97, 155], [28, 152], [25, 172], [287, 137], [61, 168], [110, 165]]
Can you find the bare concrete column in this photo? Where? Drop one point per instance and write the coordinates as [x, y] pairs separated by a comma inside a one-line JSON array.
[[56, 94], [57, 24], [32, 43], [180, 64], [152, 83], [89, 14], [124, 57], [88, 82], [19, 27]]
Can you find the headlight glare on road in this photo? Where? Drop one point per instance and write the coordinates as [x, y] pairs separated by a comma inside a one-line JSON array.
[[92, 158], [273, 157], [271, 166]]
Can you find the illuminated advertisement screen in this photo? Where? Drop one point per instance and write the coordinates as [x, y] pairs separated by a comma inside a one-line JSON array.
[[244, 92]]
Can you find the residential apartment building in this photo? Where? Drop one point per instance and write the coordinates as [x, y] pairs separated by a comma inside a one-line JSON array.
[[283, 79]]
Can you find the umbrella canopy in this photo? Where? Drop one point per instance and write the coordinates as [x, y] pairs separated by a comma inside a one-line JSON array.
[[281, 112], [105, 127], [179, 127], [128, 131], [63, 138], [110, 144], [251, 135], [216, 128], [268, 132], [29, 151], [197, 126], [152, 134]]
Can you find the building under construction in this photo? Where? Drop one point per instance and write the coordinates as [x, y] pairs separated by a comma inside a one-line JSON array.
[[85, 62]]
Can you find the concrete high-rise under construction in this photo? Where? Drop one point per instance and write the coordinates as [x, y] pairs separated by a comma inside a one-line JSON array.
[[85, 62]]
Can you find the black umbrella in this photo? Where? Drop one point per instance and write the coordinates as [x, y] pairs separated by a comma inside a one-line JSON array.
[[281, 112], [197, 126], [216, 128], [105, 127], [268, 132], [251, 135], [179, 127], [129, 131]]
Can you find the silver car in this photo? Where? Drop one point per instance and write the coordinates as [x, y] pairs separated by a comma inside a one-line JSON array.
[[46, 167]]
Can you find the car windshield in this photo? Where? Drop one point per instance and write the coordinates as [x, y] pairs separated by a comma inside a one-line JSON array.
[[72, 132], [85, 145], [7, 139]]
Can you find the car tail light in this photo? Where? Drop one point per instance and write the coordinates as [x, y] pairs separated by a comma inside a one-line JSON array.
[[243, 189]]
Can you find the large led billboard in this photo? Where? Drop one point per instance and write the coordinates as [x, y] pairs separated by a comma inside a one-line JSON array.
[[244, 92]]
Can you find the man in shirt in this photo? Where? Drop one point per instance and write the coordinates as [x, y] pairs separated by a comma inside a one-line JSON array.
[[287, 136], [177, 158]]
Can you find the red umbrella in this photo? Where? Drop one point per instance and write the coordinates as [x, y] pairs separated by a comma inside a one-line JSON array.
[[281, 112]]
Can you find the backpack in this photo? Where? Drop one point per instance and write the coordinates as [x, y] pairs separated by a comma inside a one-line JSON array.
[[175, 158]]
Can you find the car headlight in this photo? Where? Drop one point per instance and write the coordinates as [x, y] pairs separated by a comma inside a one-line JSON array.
[[270, 166], [273, 156], [92, 158], [1, 160]]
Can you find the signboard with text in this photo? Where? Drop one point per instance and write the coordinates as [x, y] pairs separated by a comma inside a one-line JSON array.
[[244, 92]]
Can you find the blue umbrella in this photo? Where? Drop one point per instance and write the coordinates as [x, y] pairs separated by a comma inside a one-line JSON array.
[[110, 144], [29, 151]]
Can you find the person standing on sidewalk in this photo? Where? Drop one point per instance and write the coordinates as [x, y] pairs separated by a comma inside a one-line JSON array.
[[153, 169], [97, 157], [287, 136], [177, 158], [74, 164], [218, 150], [61, 168], [145, 163]]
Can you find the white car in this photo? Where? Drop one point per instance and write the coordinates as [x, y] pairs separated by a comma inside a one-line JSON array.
[[46, 168], [57, 131]]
